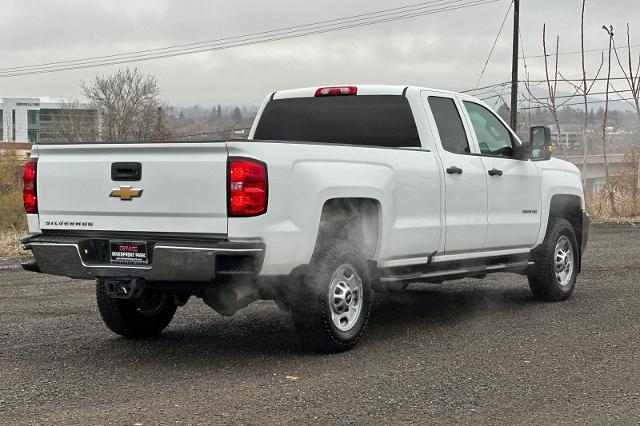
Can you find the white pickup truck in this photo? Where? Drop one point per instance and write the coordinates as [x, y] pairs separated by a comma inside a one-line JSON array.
[[338, 192]]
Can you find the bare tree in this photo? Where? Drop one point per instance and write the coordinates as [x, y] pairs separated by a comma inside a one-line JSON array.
[[604, 121], [549, 103], [553, 90], [72, 122], [129, 106], [632, 78], [584, 89]]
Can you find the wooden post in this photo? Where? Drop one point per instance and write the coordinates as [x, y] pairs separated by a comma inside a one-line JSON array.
[[513, 122]]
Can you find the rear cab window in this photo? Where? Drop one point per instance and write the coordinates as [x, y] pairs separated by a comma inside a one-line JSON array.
[[452, 134], [366, 120]]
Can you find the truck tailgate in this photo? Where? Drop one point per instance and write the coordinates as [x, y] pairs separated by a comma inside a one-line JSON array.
[[183, 187]]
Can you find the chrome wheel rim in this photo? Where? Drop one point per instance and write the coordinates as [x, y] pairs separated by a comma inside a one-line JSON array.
[[564, 261], [345, 297]]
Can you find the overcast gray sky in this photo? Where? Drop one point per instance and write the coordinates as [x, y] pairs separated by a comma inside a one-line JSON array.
[[445, 50]]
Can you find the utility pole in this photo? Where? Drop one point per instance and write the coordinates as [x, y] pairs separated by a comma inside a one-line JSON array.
[[514, 66]]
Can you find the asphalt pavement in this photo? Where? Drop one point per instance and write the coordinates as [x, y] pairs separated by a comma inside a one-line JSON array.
[[469, 351]]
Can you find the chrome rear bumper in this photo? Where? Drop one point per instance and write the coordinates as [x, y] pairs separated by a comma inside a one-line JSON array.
[[187, 261]]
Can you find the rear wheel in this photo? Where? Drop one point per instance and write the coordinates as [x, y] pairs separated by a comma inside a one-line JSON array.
[[145, 316], [555, 273], [336, 299]]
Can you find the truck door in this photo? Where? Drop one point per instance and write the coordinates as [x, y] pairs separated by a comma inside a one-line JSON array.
[[465, 184], [513, 184]]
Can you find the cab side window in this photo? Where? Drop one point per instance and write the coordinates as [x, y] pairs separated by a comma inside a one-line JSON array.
[[493, 136], [449, 123]]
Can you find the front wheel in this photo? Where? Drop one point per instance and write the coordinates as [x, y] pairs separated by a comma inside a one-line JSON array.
[[335, 299], [145, 316], [554, 276]]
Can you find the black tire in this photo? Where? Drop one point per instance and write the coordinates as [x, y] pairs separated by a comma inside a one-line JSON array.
[[543, 280], [127, 318], [313, 314]]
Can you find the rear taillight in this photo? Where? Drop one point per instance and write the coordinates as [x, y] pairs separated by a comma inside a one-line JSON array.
[[247, 187], [337, 91], [29, 195]]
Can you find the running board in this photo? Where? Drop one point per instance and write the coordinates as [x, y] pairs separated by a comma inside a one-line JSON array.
[[461, 272]]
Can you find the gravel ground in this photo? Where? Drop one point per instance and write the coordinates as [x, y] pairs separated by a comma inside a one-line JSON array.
[[465, 352]]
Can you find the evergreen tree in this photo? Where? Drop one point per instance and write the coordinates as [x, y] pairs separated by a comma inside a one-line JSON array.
[[236, 115]]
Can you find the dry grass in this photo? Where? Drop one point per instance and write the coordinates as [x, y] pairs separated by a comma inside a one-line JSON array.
[[10, 244], [619, 199], [600, 211], [615, 203], [12, 219]]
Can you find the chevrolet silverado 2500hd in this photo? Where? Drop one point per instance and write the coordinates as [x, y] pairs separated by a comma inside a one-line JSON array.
[[337, 192]]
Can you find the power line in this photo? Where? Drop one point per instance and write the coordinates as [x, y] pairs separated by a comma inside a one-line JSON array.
[[576, 52], [490, 88], [261, 33], [246, 41], [423, 9], [493, 46], [489, 91], [543, 98], [524, 58], [485, 87], [582, 103], [502, 93], [569, 96], [571, 79]]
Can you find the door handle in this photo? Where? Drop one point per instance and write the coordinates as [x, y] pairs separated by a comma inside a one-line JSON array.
[[495, 172], [131, 172], [454, 170]]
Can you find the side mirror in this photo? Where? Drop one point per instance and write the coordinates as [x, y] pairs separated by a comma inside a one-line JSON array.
[[523, 151], [540, 140]]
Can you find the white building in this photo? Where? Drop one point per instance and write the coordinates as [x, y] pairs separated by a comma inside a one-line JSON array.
[[42, 119]]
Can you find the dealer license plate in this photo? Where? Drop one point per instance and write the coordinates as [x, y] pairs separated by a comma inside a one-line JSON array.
[[128, 252]]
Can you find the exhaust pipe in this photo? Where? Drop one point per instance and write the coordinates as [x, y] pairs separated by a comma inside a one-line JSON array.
[[229, 298]]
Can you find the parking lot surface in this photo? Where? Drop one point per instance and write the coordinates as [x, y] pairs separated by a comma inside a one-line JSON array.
[[469, 351]]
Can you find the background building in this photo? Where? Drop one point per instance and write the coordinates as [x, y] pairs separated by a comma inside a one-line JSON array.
[[42, 120]]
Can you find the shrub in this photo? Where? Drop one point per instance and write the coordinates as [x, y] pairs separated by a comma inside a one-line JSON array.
[[619, 199], [12, 218]]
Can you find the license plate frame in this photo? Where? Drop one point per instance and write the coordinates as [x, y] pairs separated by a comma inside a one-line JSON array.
[[128, 252]]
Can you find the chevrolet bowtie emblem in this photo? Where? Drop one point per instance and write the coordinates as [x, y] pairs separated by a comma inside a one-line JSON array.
[[126, 193]]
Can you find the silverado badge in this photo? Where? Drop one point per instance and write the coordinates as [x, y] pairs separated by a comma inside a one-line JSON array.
[[126, 193]]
